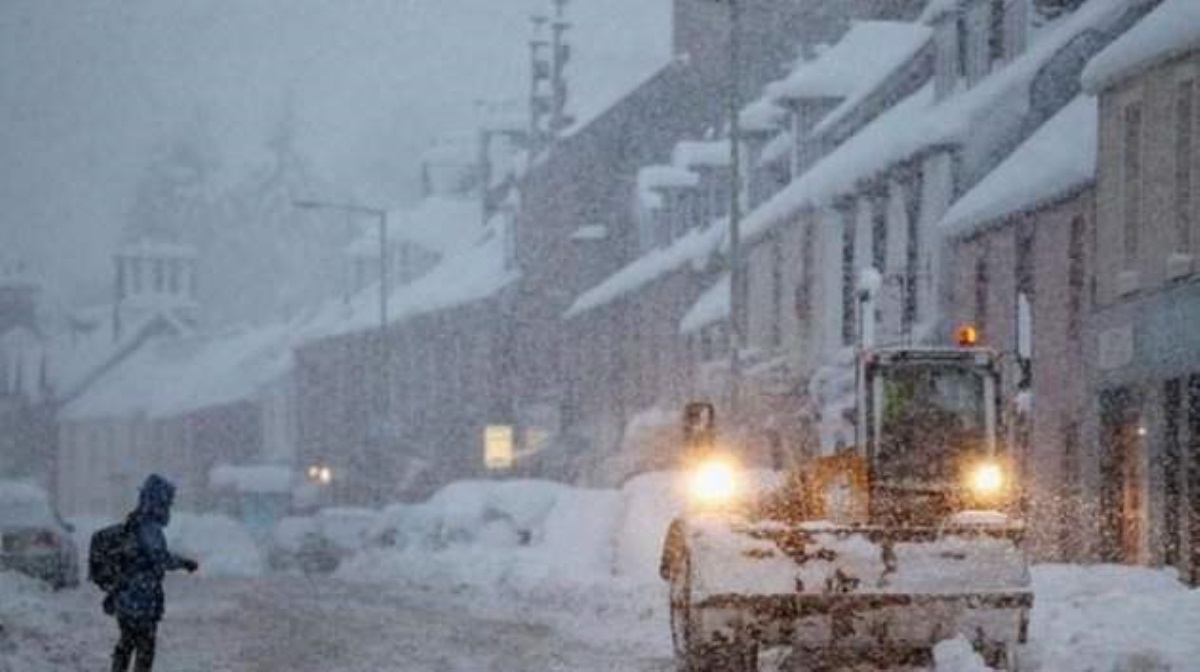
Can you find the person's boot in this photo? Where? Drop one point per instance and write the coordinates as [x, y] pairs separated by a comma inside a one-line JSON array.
[[120, 660]]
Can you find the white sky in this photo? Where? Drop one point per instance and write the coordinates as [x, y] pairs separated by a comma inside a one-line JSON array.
[[89, 87]]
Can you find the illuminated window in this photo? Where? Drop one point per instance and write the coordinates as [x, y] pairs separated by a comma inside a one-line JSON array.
[[498, 447]]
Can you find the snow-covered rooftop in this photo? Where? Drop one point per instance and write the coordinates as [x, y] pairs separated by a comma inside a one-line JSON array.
[[701, 153], [713, 306], [776, 149], [475, 271], [173, 376], [74, 357], [921, 122], [437, 223], [866, 54], [908, 42], [1170, 30], [695, 247], [1059, 157]]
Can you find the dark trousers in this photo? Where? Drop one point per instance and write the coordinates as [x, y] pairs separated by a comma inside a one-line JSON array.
[[136, 636]]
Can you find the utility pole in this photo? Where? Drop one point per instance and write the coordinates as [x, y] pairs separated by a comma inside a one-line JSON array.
[[736, 270]]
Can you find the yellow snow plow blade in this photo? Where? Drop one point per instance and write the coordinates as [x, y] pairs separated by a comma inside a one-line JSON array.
[[841, 595]]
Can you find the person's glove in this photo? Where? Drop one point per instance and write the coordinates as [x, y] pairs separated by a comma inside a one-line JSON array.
[[190, 565]]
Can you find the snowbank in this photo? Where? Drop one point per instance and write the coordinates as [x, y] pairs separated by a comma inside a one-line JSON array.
[[1112, 618], [25, 624], [221, 545]]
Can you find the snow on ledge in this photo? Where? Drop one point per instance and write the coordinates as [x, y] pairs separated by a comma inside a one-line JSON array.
[[701, 153], [590, 232]]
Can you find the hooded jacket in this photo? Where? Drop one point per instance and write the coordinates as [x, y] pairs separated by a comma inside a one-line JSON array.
[[139, 594]]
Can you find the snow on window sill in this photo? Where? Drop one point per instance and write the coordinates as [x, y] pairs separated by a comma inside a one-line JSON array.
[[1128, 282], [1179, 265]]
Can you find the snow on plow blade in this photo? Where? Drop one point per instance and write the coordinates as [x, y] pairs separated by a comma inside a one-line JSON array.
[[881, 595]]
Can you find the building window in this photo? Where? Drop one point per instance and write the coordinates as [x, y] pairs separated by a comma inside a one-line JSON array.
[[160, 276], [912, 212], [173, 277], [776, 293], [996, 38], [962, 48], [806, 282], [879, 231], [1184, 129], [1132, 182], [122, 279], [849, 299], [1076, 279], [135, 267]]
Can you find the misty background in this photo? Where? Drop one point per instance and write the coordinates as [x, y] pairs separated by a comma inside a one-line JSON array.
[[125, 118]]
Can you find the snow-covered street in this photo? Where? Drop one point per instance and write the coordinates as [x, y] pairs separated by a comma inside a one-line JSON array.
[[293, 623]]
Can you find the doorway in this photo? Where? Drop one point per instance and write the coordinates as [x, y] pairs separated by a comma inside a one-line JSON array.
[[1193, 476], [1122, 496]]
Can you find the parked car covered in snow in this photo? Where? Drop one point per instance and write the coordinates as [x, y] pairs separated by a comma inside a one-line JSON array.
[[317, 544], [34, 539]]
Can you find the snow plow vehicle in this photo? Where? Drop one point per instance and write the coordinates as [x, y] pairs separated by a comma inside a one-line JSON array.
[[866, 558]]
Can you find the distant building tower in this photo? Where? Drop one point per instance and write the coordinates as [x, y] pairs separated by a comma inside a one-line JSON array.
[[154, 278]]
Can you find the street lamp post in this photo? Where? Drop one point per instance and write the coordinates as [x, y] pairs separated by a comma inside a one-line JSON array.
[[736, 271], [380, 216]]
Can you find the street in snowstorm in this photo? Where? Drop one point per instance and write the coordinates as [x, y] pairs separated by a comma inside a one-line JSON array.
[[321, 624], [600, 336]]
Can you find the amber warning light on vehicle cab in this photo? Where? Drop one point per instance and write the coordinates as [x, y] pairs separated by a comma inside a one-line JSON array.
[[967, 336]]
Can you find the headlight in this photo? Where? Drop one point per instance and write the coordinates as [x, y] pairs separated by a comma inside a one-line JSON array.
[[987, 480], [714, 481]]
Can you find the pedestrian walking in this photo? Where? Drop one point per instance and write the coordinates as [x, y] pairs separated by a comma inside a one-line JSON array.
[[136, 598]]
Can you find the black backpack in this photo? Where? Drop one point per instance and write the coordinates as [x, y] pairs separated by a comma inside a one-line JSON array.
[[110, 554]]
